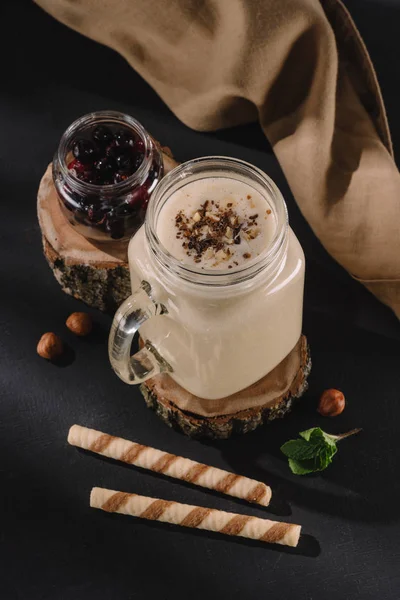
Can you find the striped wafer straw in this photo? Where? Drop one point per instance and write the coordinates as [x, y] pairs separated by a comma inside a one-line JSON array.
[[170, 464], [197, 517]]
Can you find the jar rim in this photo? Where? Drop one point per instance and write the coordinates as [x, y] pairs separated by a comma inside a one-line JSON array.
[[204, 167], [104, 116]]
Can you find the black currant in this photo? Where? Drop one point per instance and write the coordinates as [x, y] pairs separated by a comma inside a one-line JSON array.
[[84, 151], [125, 162], [139, 146], [138, 159], [95, 215], [123, 138], [105, 170], [102, 136]]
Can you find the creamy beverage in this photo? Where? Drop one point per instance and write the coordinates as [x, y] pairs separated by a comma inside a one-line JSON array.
[[232, 295], [216, 223]]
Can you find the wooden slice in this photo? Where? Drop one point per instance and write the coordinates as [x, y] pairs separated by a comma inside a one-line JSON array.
[[96, 274], [161, 394]]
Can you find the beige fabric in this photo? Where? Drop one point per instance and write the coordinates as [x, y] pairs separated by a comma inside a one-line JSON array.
[[302, 69]]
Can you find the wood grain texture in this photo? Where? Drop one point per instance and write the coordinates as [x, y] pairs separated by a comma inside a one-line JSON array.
[[224, 426]]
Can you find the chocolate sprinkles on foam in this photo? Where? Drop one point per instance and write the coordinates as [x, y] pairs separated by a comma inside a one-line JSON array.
[[212, 231]]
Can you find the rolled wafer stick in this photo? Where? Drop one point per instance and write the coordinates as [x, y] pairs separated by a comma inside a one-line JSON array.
[[196, 517], [170, 465]]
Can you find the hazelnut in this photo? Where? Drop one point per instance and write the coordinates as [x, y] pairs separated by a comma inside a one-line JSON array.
[[50, 346], [79, 323], [331, 403]]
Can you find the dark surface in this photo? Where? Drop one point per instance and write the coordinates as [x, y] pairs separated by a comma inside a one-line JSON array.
[[53, 546]]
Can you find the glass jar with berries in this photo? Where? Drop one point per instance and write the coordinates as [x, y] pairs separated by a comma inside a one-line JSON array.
[[104, 171]]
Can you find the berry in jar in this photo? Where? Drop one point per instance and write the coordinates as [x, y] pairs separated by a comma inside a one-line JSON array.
[[105, 170]]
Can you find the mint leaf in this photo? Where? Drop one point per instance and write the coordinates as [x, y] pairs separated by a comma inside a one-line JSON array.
[[330, 439], [312, 465], [298, 450], [307, 434], [300, 467], [325, 457], [316, 434], [313, 452], [328, 452]]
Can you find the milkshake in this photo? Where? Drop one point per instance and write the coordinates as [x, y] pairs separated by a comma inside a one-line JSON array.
[[228, 272]]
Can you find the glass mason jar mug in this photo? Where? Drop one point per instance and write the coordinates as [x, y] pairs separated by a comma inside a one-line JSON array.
[[214, 331]]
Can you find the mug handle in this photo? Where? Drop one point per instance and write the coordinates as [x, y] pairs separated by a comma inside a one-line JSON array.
[[136, 310]]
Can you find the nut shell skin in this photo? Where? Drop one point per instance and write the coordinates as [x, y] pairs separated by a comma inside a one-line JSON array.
[[50, 346], [331, 403], [80, 323]]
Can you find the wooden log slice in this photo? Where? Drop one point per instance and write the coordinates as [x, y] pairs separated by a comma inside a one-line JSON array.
[[96, 274], [161, 391]]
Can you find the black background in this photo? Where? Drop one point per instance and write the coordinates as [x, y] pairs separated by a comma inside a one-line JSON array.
[[53, 546]]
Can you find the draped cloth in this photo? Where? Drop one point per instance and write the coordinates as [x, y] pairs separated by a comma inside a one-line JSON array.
[[301, 68]]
